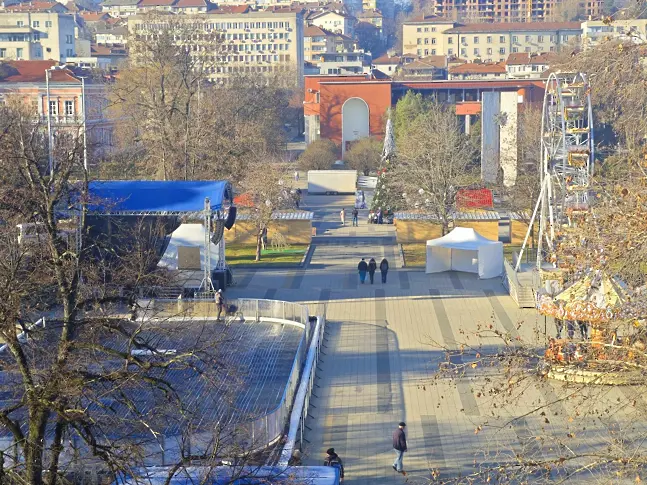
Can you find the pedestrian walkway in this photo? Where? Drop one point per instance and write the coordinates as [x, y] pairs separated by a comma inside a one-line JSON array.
[[383, 345]]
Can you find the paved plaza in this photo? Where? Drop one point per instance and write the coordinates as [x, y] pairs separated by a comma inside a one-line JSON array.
[[382, 348]]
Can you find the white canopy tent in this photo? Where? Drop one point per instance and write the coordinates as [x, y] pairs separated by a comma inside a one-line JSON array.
[[186, 251], [464, 249]]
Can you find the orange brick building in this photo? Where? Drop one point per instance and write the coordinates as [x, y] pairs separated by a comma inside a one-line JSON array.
[[346, 108]]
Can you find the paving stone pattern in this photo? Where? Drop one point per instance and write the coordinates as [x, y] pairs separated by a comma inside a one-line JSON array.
[[379, 358]]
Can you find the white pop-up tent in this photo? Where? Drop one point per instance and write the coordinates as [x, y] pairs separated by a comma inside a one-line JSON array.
[[185, 250], [464, 249]]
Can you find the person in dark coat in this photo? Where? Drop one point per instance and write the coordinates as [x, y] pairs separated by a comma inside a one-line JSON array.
[[333, 460], [362, 267], [400, 446], [220, 302], [355, 215], [372, 267], [384, 269]]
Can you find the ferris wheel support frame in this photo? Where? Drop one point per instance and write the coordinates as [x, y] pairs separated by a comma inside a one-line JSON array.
[[556, 148]]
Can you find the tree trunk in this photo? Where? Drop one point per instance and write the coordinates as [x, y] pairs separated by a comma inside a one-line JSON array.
[[34, 445], [259, 243]]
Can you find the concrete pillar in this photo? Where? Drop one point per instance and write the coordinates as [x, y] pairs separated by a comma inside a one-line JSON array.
[[489, 137], [508, 138], [468, 124]]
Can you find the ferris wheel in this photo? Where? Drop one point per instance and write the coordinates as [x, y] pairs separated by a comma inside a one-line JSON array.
[[567, 154]]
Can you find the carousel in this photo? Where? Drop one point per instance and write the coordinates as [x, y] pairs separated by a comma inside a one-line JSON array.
[[598, 338]]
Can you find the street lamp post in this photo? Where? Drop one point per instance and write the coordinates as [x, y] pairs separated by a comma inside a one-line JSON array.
[[50, 153], [85, 128]]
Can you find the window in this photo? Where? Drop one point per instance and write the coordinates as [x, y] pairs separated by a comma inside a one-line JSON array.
[[433, 40], [450, 40], [19, 53], [540, 38], [464, 52], [502, 50], [419, 29], [450, 52], [552, 48], [69, 52], [476, 40], [69, 108], [426, 52], [488, 39], [564, 38], [515, 49], [426, 41], [419, 52], [69, 39], [433, 52], [527, 49], [419, 41], [3, 52], [515, 38], [426, 29], [489, 51], [433, 29], [512, 69], [48, 23], [502, 39], [20, 23], [476, 52], [35, 23], [552, 38], [53, 108], [36, 35], [527, 38]]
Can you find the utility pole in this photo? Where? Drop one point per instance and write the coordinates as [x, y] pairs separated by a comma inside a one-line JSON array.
[[85, 127], [49, 127]]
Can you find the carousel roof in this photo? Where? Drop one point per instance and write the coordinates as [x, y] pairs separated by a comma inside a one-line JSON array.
[[599, 288]]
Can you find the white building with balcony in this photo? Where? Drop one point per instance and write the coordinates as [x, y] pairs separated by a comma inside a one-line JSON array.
[[33, 36]]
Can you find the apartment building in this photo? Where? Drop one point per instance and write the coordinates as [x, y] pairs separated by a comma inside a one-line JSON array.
[[317, 41], [253, 42], [477, 71], [528, 66], [488, 42], [424, 36], [36, 36], [510, 10], [596, 31], [337, 22], [494, 42], [119, 8]]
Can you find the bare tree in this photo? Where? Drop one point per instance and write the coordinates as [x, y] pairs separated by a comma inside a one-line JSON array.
[[319, 155], [182, 123], [364, 155], [268, 190], [434, 159], [91, 383]]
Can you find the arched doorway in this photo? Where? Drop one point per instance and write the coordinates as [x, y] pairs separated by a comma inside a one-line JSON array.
[[354, 122]]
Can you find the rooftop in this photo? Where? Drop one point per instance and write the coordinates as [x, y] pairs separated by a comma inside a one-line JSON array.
[[119, 3], [478, 68], [439, 62], [37, 7], [424, 19], [525, 58], [94, 16], [191, 4], [155, 3], [514, 27], [34, 71]]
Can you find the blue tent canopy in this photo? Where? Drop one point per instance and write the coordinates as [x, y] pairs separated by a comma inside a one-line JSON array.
[[146, 197]]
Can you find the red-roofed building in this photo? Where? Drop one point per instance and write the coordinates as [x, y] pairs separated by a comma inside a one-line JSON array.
[[477, 70], [523, 65], [192, 6], [54, 7], [90, 17], [25, 81], [231, 9], [162, 5]]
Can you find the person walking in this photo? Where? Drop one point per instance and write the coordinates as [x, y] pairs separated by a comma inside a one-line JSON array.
[[355, 216], [372, 266], [296, 175], [342, 215], [220, 302], [380, 216], [333, 460], [362, 267], [400, 446], [384, 269]]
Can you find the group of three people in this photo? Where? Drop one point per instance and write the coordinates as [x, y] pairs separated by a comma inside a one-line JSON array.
[[371, 267]]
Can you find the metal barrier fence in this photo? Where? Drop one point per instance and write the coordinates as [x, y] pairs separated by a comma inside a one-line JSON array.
[[267, 429]]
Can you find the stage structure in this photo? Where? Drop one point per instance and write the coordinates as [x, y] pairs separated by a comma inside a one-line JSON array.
[[169, 204], [567, 155]]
